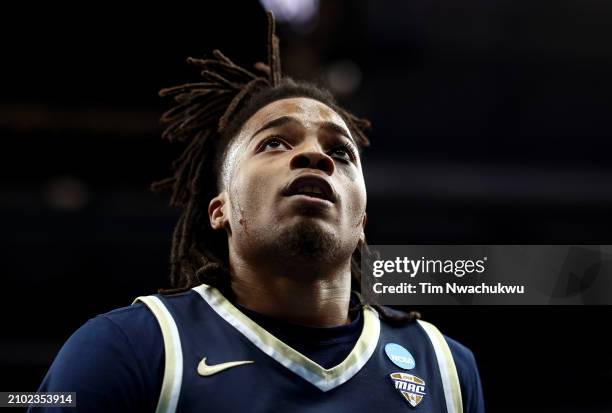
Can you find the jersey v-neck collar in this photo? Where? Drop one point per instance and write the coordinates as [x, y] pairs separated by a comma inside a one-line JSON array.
[[322, 378]]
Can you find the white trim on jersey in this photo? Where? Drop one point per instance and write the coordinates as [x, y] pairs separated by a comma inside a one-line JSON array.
[[322, 378], [173, 372], [448, 370]]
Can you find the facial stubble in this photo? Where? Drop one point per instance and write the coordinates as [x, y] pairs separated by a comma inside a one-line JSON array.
[[307, 241]]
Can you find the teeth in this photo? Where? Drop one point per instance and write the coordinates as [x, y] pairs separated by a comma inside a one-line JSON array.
[[310, 190]]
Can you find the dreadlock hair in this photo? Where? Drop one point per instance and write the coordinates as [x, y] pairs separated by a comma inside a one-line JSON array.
[[205, 118]]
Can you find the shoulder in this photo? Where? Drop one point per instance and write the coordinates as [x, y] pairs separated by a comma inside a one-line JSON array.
[[137, 323], [463, 357], [131, 333], [128, 335], [129, 320], [114, 361], [120, 330], [469, 377]]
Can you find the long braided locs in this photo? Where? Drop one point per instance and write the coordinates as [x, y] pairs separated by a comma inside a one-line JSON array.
[[204, 118]]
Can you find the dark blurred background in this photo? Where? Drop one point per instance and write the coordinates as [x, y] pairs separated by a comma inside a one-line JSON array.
[[491, 125]]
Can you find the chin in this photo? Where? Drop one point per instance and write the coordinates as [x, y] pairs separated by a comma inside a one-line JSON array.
[[309, 239]]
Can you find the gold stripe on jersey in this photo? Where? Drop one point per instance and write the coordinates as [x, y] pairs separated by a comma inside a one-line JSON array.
[[448, 370], [173, 371]]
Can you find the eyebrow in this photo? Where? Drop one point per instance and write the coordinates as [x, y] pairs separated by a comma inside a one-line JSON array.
[[331, 126], [275, 123]]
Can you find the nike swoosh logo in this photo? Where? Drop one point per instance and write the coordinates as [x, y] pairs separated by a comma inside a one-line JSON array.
[[206, 370]]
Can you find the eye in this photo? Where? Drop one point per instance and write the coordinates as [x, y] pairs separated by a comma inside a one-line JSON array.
[[343, 152], [271, 144]]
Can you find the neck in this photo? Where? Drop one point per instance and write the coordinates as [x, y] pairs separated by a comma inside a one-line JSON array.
[[294, 296]]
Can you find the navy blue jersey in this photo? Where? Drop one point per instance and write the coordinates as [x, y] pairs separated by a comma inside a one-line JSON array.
[[197, 352]]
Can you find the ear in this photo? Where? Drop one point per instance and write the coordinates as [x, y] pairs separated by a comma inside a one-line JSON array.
[[363, 224], [218, 211]]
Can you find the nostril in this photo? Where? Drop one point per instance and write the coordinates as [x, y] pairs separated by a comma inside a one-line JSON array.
[[301, 161], [326, 165]]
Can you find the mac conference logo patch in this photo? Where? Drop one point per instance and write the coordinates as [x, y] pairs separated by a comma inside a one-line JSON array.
[[409, 386]]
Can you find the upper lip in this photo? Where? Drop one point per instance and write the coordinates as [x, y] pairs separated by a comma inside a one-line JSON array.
[[314, 181]]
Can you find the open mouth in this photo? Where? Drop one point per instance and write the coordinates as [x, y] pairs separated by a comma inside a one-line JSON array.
[[311, 186]]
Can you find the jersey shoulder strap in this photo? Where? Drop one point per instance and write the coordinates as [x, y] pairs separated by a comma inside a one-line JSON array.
[[173, 369], [448, 370]]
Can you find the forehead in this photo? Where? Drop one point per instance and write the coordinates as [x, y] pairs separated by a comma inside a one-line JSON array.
[[306, 110]]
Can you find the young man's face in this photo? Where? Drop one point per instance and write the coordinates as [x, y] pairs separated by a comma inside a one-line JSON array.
[[293, 180]]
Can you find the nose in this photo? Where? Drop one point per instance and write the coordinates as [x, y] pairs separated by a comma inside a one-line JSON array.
[[312, 158]]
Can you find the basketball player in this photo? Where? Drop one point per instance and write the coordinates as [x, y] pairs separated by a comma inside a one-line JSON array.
[[264, 314]]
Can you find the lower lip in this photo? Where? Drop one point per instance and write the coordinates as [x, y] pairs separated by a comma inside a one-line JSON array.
[[311, 200]]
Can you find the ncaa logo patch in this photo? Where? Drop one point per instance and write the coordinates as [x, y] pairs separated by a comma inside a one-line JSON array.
[[409, 386], [400, 356]]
